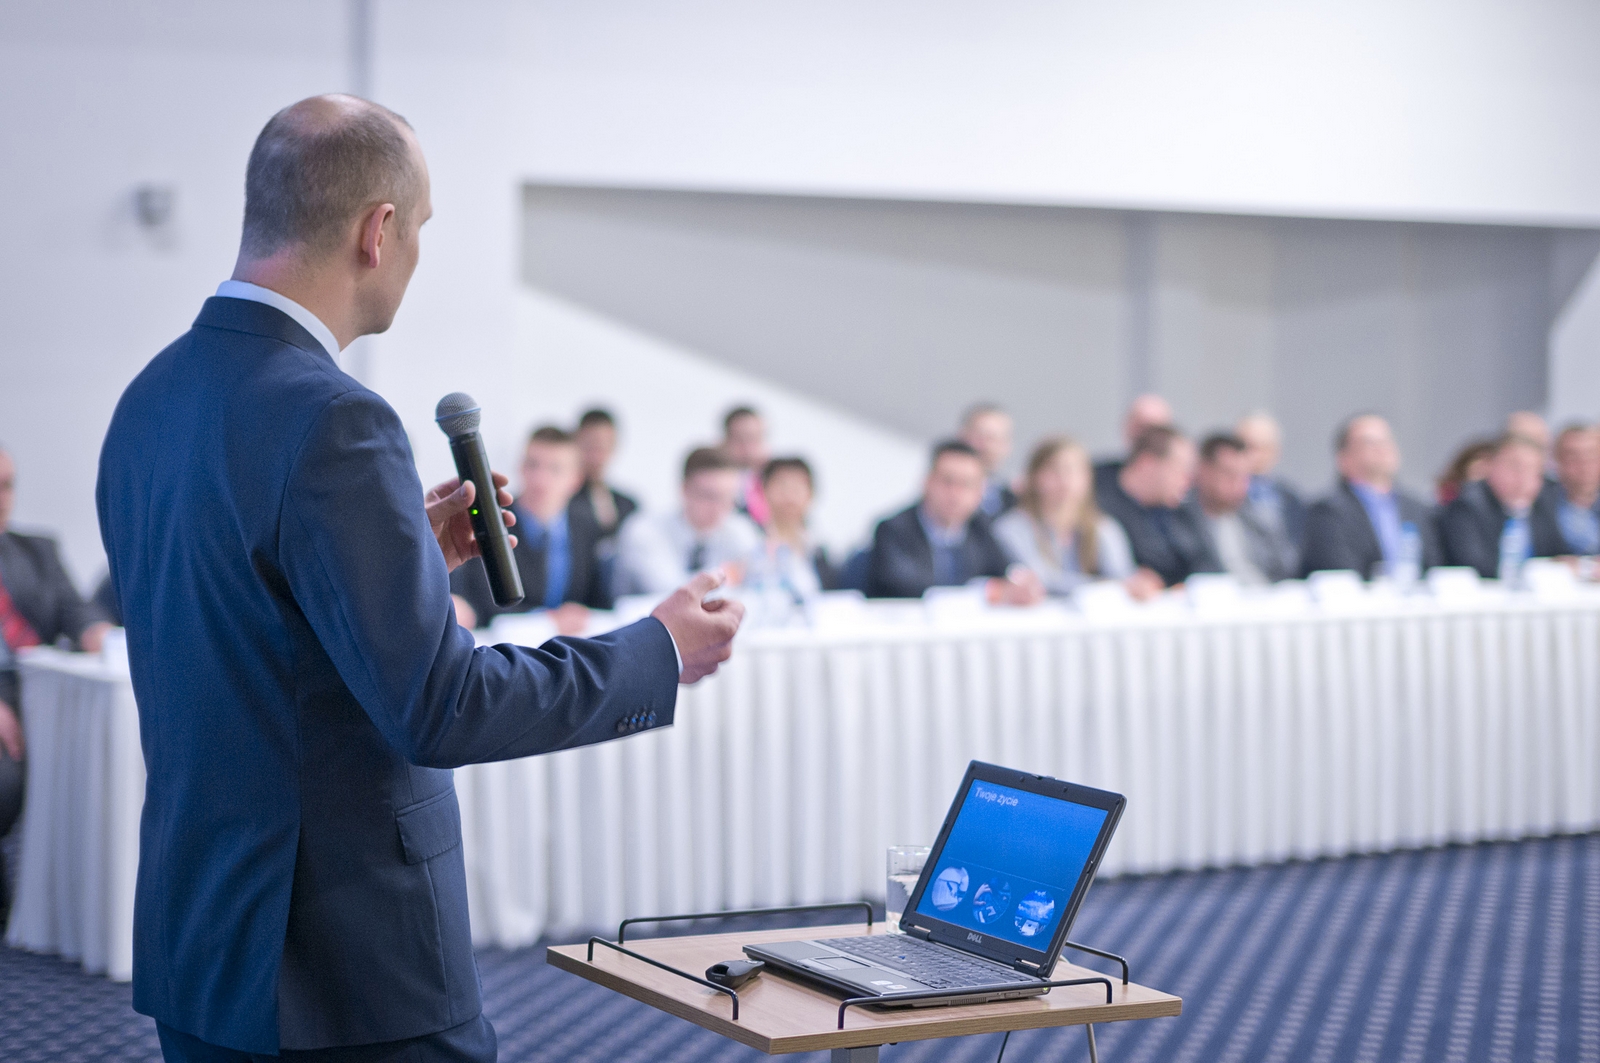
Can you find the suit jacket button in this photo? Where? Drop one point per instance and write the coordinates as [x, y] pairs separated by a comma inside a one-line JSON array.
[[650, 719], [622, 725]]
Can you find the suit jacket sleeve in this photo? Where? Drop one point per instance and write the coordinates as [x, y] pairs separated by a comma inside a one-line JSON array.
[[896, 570], [1461, 536], [361, 561], [1327, 547], [65, 612]]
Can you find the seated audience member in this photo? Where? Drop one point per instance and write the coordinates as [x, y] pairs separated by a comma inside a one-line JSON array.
[[986, 428], [1532, 427], [744, 440], [598, 501], [658, 552], [1467, 467], [1576, 494], [557, 546], [1251, 550], [1271, 498], [38, 606], [1146, 497], [944, 541], [1146, 411], [1057, 530], [789, 559], [1365, 523], [1509, 500]]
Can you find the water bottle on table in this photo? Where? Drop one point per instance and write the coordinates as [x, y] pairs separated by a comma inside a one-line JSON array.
[[1515, 546], [1406, 569]]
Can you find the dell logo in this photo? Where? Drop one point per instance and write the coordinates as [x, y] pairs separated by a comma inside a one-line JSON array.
[[976, 939]]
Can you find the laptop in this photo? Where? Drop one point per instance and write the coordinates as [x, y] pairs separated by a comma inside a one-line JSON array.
[[998, 894]]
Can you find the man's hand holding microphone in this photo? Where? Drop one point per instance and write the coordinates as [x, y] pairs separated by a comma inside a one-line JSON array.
[[702, 631]]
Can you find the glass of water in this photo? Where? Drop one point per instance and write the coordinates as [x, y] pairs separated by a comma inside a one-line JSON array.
[[905, 867]]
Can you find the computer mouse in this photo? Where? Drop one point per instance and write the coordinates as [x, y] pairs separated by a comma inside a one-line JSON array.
[[733, 973]]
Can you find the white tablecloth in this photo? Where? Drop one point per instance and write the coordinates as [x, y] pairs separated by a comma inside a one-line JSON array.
[[1371, 724], [1375, 725], [80, 822]]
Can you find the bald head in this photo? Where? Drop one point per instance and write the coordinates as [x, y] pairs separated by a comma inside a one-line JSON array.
[[1144, 412], [319, 165], [1530, 426], [1263, 441]]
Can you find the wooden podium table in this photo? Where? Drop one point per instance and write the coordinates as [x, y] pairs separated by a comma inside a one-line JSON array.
[[780, 1014]]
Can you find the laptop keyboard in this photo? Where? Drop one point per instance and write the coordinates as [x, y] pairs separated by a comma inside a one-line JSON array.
[[934, 965]]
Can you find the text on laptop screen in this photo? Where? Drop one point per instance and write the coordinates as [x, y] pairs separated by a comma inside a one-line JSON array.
[[1011, 863]]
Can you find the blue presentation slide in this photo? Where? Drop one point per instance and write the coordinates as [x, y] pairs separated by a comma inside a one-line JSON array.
[[1011, 863]]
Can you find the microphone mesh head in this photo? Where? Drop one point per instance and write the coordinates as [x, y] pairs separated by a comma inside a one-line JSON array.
[[457, 414]]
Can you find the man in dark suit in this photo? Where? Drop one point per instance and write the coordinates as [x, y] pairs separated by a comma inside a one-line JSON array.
[[1575, 496], [303, 685], [1249, 547], [598, 501], [1368, 525], [557, 547], [1272, 499], [944, 541], [39, 605], [1473, 529], [1147, 498], [1144, 412]]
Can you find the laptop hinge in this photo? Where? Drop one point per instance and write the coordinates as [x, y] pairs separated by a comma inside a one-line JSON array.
[[1030, 963], [919, 932]]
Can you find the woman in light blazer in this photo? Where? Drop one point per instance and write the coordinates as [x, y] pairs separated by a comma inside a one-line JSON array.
[[1057, 530]]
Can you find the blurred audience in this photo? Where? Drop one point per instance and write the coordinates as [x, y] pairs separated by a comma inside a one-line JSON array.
[[1535, 429], [1576, 494], [658, 552], [1144, 412], [1368, 524], [1272, 500], [557, 551], [744, 440], [598, 501], [1505, 518], [986, 428], [789, 558], [39, 606], [1252, 550], [1057, 530], [1147, 498], [1470, 465], [944, 540]]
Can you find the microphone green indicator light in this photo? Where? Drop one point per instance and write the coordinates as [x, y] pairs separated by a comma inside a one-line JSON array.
[[474, 513]]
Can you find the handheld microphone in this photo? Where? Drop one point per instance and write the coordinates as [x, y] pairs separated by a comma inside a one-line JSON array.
[[457, 416]]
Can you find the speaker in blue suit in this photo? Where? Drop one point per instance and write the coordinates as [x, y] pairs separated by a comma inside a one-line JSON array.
[[303, 686]]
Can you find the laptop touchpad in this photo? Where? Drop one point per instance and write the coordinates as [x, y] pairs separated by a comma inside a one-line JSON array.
[[839, 963]]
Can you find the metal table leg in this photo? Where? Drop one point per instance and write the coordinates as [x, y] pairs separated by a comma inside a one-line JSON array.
[[1094, 1053], [869, 1054]]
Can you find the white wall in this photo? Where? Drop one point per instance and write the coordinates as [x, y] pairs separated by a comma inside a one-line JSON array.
[[96, 98], [1575, 350], [1465, 110], [904, 313], [669, 400]]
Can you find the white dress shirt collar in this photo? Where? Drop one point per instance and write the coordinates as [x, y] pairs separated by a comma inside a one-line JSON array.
[[232, 289]]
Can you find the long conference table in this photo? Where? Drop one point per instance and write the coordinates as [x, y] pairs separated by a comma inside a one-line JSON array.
[[1242, 732]]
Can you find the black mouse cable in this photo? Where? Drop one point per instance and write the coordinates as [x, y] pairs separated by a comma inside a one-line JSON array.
[[1003, 1040]]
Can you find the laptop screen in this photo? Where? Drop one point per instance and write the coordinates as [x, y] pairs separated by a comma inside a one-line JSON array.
[[1011, 863]]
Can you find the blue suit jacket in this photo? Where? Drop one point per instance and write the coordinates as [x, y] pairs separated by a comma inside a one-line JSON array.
[[303, 691]]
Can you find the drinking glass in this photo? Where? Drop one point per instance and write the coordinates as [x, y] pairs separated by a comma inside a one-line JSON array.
[[905, 867]]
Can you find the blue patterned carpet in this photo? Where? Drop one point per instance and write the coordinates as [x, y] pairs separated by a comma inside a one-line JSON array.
[[1487, 952]]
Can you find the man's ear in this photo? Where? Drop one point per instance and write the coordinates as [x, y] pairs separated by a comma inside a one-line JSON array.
[[372, 233]]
